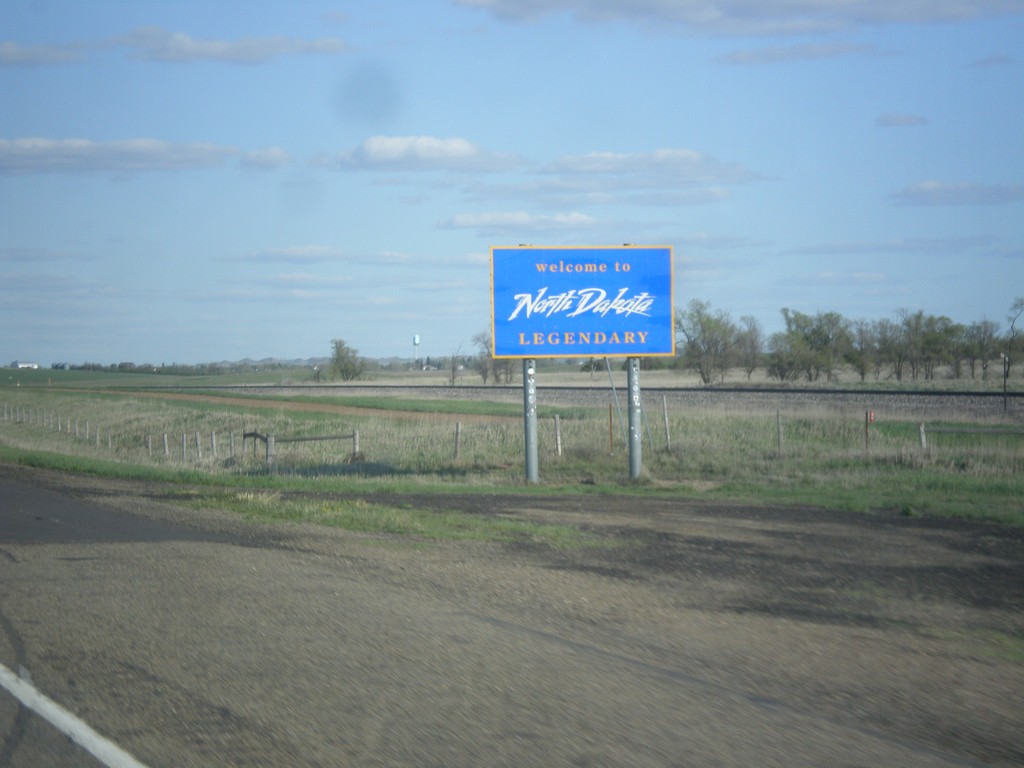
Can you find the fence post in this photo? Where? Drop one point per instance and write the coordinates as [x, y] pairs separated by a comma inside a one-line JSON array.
[[558, 435], [270, 453], [458, 439], [167, 448], [184, 447], [778, 432], [355, 442], [611, 437], [213, 444], [924, 437], [664, 415]]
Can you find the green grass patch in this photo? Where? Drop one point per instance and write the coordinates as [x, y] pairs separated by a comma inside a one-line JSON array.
[[453, 406], [364, 516]]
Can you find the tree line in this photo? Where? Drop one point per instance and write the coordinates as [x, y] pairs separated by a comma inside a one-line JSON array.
[[913, 345]]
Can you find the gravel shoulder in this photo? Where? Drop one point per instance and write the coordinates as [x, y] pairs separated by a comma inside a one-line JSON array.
[[908, 629]]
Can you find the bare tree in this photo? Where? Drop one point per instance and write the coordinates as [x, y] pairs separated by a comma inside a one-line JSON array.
[[892, 347], [504, 369], [483, 362], [749, 344], [981, 344], [454, 366], [863, 347], [1014, 334], [710, 338]]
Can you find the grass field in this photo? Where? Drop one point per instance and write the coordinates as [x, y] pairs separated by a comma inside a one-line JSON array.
[[807, 455]]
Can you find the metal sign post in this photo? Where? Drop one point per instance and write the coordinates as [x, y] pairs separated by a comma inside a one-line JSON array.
[[635, 417], [561, 302], [530, 418]]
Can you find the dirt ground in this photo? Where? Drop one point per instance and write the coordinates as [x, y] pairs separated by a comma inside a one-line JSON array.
[[907, 628]]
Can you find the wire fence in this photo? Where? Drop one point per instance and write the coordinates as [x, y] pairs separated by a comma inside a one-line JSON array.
[[679, 438]]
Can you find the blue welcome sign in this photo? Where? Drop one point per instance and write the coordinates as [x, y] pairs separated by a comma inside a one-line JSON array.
[[612, 301]]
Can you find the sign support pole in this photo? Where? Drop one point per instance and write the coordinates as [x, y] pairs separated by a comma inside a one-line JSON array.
[[530, 418], [635, 417]]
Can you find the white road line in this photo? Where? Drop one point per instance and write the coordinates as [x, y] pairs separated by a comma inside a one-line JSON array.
[[100, 747]]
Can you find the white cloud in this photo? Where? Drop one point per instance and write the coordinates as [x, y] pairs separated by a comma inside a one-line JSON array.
[[299, 254], [941, 193], [268, 159], [297, 286], [751, 17], [39, 289], [996, 60], [520, 222], [420, 153], [705, 241], [158, 44], [306, 281], [319, 254], [664, 177], [652, 169], [34, 255], [15, 55], [900, 120], [918, 245], [846, 278], [39, 155], [781, 54]]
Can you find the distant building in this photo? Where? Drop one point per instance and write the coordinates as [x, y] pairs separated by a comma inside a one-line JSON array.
[[21, 364]]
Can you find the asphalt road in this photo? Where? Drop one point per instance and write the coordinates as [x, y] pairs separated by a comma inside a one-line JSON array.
[[190, 640]]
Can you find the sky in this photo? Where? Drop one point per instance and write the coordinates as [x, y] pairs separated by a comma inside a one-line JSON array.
[[193, 181]]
